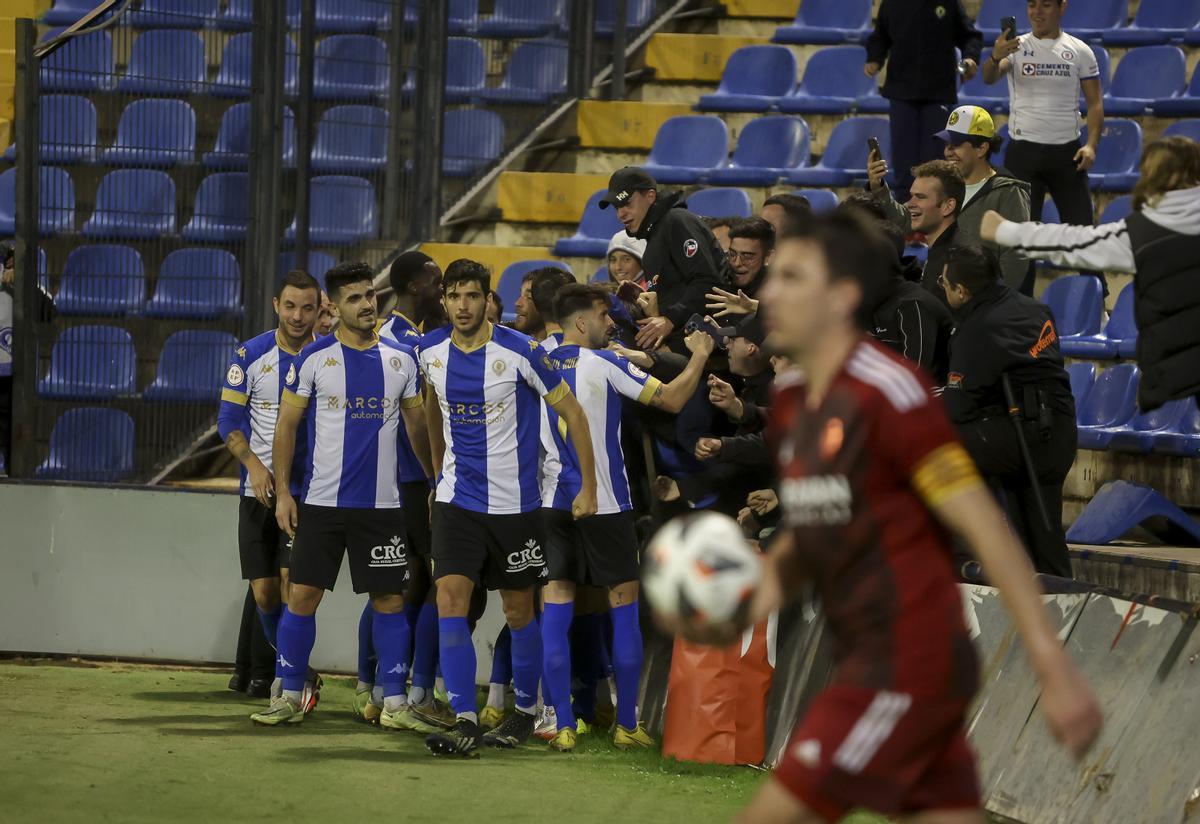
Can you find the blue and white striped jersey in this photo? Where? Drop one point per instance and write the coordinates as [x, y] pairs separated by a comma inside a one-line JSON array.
[[354, 396], [491, 407], [599, 379], [550, 462], [250, 395], [400, 330]]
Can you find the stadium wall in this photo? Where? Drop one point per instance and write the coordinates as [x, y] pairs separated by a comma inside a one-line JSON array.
[[145, 573]]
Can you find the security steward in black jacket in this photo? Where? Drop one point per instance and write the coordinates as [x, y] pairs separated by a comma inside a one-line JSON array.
[[1002, 333], [683, 260]]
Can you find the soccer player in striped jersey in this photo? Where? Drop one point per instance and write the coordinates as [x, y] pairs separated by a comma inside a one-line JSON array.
[[355, 389], [602, 549], [488, 382], [254, 383]]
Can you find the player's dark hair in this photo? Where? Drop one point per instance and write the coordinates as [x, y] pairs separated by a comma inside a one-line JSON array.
[[948, 176], [544, 288], [866, 203], [853, 247], [465, 270], [577, 297], [343, 274], [298, 279], [499, 301], [974, 267], [718, 222], [406, 267], [795, 207], [755, 228]]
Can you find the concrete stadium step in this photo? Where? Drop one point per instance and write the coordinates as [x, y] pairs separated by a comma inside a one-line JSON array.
[[776, 10], [623, 124], [1166, 571], [693, 57], [545, 197]]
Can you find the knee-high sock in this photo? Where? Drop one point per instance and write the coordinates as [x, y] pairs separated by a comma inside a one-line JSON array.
[[425, 643], [270, 624], [527, 664], [556, 654], [297, 634], [391, 636], [587, 643], [502, 657], [412, 612], [366, 645], [458, 663], [627, 662]]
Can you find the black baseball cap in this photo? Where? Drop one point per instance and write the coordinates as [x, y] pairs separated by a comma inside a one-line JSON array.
[[749, 327], [623, 183]]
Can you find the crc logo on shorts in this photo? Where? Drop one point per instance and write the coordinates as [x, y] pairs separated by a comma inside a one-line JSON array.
[[527, 557], [235, 376], [690, 248], [389, 555]]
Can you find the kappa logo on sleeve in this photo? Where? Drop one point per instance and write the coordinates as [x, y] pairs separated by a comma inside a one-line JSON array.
[[690, 247]]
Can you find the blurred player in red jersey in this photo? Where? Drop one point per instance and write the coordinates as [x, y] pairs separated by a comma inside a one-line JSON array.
[[872, 482]]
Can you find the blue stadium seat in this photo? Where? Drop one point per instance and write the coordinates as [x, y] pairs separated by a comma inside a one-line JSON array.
[[1089, 21], [975, 92], [466, 69], [523, 18], [601, 275], [1082, 376], [66, 12], [165, 61], [700, 140], [56, 201], [318, 264], [221, 213], [351, 139], [197, 283], [1184, 439], [1191, 37], [872, 102], [91, 363], [464, 15], [1077, 302], [821, 200], [767, 149], [91, 444], [231, 150], [66, 130], [1002, 137], [174, 14], [473, 140], [154, 133], [638, 14], [82, 64], [233, 78], [1145, 76], [1156, 21], [1120, 506], [133, 203], [845, 157], [833, 82], [1119, 209], [509, 285], [720, 203], [1049, 212], [353, 15], [537, 72], [238, 14], [1184, 128], [1119, 338], [1117, 157], [753, 80], [828, 21], [350, 67], [1183, 105], [1138, 435], [991, 12], [596, 228], [101, 279], [1111, 402], [190, 367], [343, 211]]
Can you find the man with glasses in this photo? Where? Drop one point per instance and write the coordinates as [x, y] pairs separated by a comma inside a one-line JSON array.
[[751, 242]]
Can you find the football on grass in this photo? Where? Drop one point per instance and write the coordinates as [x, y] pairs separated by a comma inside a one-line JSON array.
[[701, 569]]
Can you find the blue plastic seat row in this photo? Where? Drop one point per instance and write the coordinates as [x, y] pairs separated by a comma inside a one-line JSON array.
[[93, 444], [1108, 417], [828, 21]]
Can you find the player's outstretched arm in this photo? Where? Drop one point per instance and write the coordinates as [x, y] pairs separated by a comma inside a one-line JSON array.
[[282, 452], [571, 412], [672, 396], [418, 435], [433, 425], [1070, 707]]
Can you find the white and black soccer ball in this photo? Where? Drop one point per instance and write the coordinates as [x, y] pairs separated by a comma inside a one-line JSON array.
[[700, 568]]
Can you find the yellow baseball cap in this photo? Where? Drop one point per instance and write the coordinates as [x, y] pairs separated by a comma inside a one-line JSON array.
[[967, 122]]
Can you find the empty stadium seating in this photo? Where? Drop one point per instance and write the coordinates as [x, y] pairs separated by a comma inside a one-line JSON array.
[[828, 21], [66, 12], [473, 139], [1077, 302], [1117, 209], [222, 209], [352, 15], [1082, 376], [1119, 506], [991, 12], [1111, 402], [165, 61], [753, 80], [154, 133], [463, 15], [1144, 76], [342, 211], [845, 157], [197, 283], [231, 150], [1184, 440], [688, 147], [523, 18], [350, 67], [466, 69], [91, 363], [1182, 105], [1117, 156], [1119, 338], [133, 203], [351, 139], [821, 200], [1138, 435], [596, 228], [66, 130], [833, 82], [1157, 21], [174, 14], [101, 279], [318, 264], [1089, 21], [93, 444], [190, 367], [83, 64], [638, 13], [537, 72], [767, 149], [509, 285], [720, 203], [975, 92], [233, 78], [56, 201]]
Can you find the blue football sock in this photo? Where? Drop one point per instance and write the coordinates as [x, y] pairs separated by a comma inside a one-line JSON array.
[[502, 657], [270, 625], [366, 646], [526, 664], [390, 631], [458, 663], [556, 653], [606, 645], [627, 662], [412, 612], [425, 642], [297, 634], [586, 643]]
